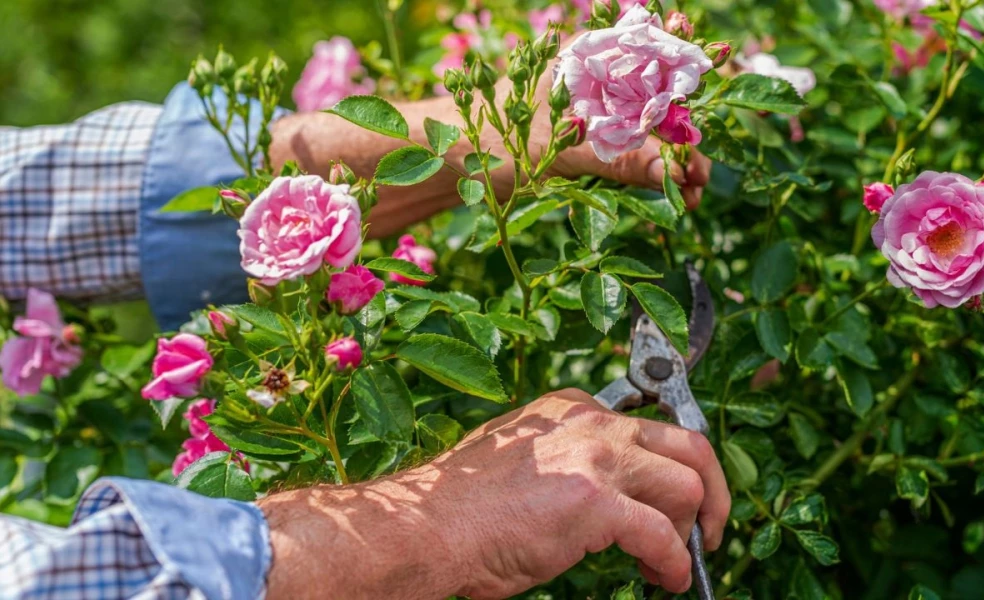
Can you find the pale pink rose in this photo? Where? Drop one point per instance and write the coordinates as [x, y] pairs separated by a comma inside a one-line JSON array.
[[802, 79], [219, 321], [540, 19], [875, 195], [932, 232], [48, 346], [353, 288], [677, 128], [178, 368], [678, 24], [334, 72], [344, 352], [194, 415], [422, 256], [296, 225], [196, 448], [623, 80]]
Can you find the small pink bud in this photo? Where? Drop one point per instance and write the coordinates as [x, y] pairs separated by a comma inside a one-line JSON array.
[[219, 321], [572, 131], [344, 352], [678, 24], [352, 289], [70, 335], [231, 196], [718, 52], [875, 195]]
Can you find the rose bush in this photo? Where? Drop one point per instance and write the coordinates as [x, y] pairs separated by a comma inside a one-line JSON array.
[[840, 234]]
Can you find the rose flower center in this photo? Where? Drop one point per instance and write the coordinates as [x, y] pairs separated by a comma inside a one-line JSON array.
[[276, 380], [946, 241]]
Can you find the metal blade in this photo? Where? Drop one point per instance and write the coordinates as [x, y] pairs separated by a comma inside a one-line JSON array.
[[701, 317]]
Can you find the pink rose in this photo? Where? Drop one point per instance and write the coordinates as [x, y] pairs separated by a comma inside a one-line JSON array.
[[219, 321], [932, 232], [194, 415], [345, 352], [178, 368], [353, 288], [623, 80], [48, 346], [196, 448], [802, 79], [296, 225], [422, 256], [678, 24], [875, 195], [676, 128], [334, 72]]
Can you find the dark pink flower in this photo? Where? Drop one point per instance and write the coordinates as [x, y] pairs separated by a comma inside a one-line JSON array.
[[422, 256], [194, 415], [875, 195], [195, 448], [334, 72], [48, 346], [219, 321], [344, 352], [178, 368], [676, 128], [932, 233], [353, 288]]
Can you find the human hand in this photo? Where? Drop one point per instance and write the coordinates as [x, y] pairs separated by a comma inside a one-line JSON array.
[[517, 502]]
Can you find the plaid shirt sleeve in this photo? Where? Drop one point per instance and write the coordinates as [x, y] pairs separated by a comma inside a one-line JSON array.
[[140, 540], [69, 202]]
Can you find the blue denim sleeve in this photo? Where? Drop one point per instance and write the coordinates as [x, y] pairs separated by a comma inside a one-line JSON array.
[[188, 260]]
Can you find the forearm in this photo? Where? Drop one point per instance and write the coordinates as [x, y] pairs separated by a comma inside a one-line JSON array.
[[314, 139], [373, 540]]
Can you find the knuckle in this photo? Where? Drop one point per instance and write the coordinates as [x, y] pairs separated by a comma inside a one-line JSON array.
[[598, 454], [691, 488], [700, 446]]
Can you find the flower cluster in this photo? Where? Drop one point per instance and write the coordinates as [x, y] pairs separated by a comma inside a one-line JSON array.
[[46, 346], [334, 72], [202, 440]]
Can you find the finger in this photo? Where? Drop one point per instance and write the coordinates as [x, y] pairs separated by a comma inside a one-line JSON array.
[[670, 487], [649, 536], [691, 196], [698, 169], [695, 451]]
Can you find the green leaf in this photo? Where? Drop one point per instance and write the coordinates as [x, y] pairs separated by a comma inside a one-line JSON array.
[[973, 535], [456, 300], [821, 547], [409, 165], [766, 540], [480, 330], [537, 267], [760, 93], [122, 360], [440, 136], [454, 363], [755, 408], [473, 163], [912, 485], [891, 98], [921, 592], [670, 187], [383, 401], [15, 440], [261, 318], [591, 226], [8, 469], [774, 334], [373, 113], [804, 434], [857, 388], [979, 484], [217, 475], [603, 297], [166, 409], [774, 272], [650, 206], [846, 344], [739, 466], [438, 432], [546, 323], [413, 313], [61, 473], [812, 351], [629, 267], [510, 323], [600, 200], [717, 143], [630, 591], [401, 267], [193, 200], [666, 312], [805, 510], [254, 443], [521, 219], [471, 191], [567, 297]]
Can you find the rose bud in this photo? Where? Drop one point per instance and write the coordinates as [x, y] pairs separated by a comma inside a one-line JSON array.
[[344, 352]]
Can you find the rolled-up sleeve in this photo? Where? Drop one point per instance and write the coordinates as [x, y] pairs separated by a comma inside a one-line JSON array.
[[142, 540]]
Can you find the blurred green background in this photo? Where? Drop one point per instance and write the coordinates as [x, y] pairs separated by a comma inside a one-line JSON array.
[[60, 59]]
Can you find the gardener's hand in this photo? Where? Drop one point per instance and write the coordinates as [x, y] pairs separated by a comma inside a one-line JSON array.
[[516, 503]]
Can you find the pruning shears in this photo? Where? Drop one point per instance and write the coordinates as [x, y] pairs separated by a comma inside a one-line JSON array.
[[658, 374]]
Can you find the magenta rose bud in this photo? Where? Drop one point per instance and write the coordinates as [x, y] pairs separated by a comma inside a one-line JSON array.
[[678, 24], [194, 415], [676, 128], [296, 225], [219, 322], [334, 72], [422, 256], [718, 52], [344, 352], [196, 448], [875, 195], [623, 80], [47, 346], [932, 233], [178, 368], [352, 289]]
